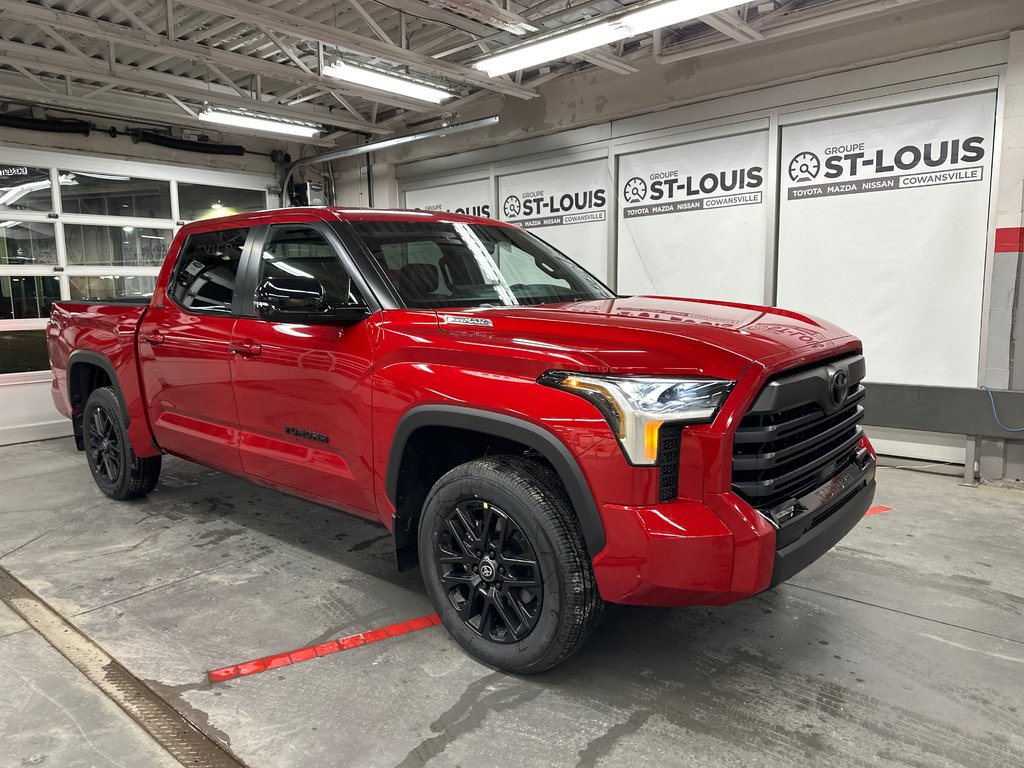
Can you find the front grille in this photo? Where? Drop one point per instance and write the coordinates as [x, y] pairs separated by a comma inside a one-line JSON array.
[[795, 436], [669, 438]]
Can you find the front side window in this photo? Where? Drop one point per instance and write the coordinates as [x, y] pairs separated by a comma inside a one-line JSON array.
[[207, 270], [302, 251], [452, 264]]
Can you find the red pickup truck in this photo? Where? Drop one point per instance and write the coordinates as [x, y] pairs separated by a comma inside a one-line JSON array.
[[536, 444]]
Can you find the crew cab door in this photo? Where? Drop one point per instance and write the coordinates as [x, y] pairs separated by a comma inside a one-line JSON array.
[[184, 350], [302, 389]]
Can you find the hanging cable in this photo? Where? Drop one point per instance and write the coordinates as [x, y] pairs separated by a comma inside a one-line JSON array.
[[995, 413]]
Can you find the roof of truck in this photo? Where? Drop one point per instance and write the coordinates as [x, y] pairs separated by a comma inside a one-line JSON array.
[[331, 213]]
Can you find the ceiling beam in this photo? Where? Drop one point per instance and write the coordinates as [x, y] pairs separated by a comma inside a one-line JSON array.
[[116, 33], [38, 81], [128, 14], [160, 83], [371, 22], [142, 109], [254, 13], [731, 26]]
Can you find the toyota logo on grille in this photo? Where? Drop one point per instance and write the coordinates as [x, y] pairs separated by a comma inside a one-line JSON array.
[[839, 387]]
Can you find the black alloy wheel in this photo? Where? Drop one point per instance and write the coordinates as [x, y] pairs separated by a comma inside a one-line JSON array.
[[115, 467], [505, 565], [104, 446], [490, 572]]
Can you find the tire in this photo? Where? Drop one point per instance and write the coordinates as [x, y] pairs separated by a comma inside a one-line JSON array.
[[118, 472], [534, 601]]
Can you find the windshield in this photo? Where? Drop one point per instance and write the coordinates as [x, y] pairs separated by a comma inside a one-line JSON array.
[[452, 264]]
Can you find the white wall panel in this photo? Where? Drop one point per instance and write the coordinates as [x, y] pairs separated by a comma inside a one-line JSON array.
[[470, 197], [565, 205], [692, 219], [883, 229]]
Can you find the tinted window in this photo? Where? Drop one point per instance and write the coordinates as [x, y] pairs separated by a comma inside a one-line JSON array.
[[204, 278], [441, 264], [299, 251]]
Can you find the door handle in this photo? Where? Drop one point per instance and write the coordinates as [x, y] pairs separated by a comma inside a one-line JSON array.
[[247, 348], [153, 338]]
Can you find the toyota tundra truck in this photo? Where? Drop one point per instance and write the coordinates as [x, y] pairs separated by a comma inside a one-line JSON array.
[[536, 444]]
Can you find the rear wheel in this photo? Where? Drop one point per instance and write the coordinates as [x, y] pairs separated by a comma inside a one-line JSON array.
[[505, 565], [118, 472]]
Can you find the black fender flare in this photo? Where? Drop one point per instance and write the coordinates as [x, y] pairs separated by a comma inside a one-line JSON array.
[[511, 428], [80, 356]]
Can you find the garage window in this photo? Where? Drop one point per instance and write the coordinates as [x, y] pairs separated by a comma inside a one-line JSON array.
[[24, 189], [203, 201], [82, 230], [116, 246], [101, 194], [27, 296]]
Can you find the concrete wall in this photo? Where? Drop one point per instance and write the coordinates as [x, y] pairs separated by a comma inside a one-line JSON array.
[[1006, 329]]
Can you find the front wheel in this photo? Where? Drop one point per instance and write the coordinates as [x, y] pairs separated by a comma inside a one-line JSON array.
[[505, 565], [118, 472]]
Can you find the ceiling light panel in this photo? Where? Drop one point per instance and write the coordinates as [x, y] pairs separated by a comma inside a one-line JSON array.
[[258, 123], [598, 33], [381, 81]]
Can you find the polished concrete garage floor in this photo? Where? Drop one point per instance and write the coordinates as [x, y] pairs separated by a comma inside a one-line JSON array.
[[904, 646]]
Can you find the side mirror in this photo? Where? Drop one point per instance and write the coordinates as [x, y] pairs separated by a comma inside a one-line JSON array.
[[290, 298], [303, 300]]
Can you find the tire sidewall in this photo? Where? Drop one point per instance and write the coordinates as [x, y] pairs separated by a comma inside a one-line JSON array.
[[532, 650], [105, 400]]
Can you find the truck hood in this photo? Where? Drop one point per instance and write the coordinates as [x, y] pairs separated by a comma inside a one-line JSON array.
[[648, 334]]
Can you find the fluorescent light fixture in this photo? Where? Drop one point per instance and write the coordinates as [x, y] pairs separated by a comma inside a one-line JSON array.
[[381, 81], [152, 237], [558, 46], [258, 123]]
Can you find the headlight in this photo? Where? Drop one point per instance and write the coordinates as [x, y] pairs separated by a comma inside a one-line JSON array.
[[636, 406]]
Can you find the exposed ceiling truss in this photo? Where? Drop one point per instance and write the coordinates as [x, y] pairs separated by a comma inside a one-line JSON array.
[[162, 62]]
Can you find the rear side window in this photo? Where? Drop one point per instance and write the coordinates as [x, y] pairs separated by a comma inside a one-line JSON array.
[[207, 270]]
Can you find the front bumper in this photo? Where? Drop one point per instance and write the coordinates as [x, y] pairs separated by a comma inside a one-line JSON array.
[[721, 550]]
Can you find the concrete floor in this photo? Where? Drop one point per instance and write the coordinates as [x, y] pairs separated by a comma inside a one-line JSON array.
[[903, 646]]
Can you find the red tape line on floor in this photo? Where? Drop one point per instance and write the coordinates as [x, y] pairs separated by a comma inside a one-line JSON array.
[[877, 510], [323, 649]]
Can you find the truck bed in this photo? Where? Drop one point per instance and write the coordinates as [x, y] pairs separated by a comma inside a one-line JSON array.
[[98, 339]]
